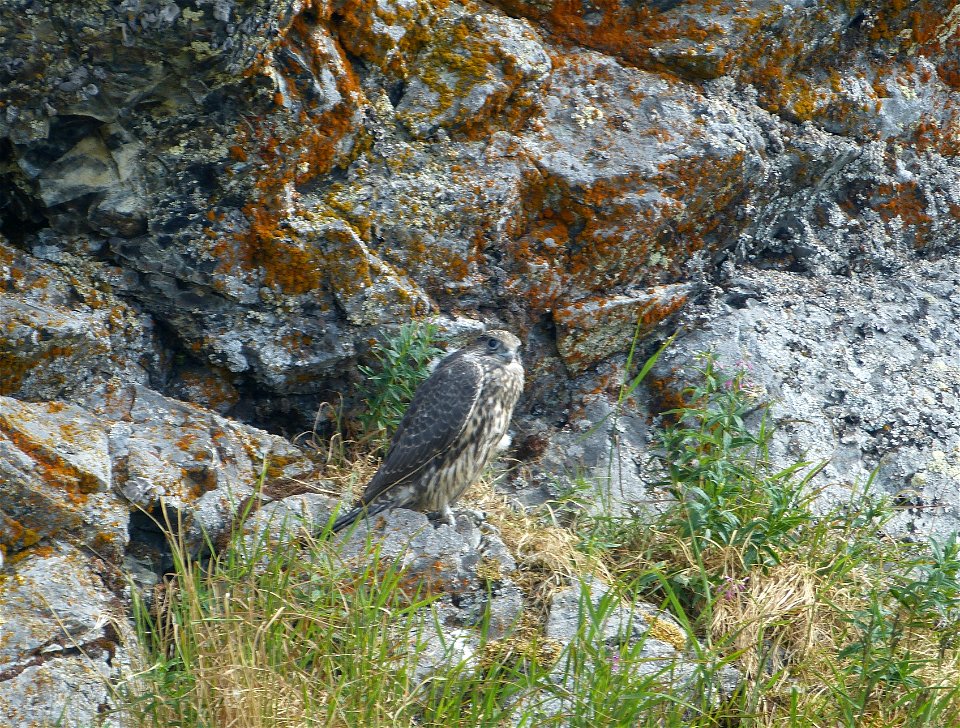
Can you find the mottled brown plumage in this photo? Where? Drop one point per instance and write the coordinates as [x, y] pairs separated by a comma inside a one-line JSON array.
[[450, 432]]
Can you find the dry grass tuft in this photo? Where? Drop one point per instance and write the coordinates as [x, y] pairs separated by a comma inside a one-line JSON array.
[[769, 617], [525, 643], [220, 626], [547, 555]]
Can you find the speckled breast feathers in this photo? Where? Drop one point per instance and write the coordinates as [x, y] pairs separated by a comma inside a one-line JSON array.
[[450, 431]]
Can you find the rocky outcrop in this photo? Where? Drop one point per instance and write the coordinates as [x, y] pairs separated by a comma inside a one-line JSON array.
[[469, 568], [66, 638], [863, 374], [273, 181], [208, 209]]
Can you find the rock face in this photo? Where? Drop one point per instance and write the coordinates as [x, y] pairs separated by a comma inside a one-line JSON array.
[[273, 180], [65, 638], [208, 209], [863, 372]]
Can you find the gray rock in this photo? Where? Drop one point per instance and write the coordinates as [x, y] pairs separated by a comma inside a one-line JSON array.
[[63, 627], [104, 166], [195, 465], [569, 620], [373, 292], [494, 79], [592, 623], [530, 186], [468, 571], [863, 373], [446, 648], [65, 332], [440, 559], [56, 469], [278, 524], [82, 697], [602, 455], [591, 330]]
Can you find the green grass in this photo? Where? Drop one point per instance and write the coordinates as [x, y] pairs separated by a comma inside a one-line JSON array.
[[830, 622], [826, 620]]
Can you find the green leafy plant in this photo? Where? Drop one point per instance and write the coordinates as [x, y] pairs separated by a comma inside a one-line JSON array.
[[611, 680], [922, 594], [400, 363], [930, 590], [727, 492]]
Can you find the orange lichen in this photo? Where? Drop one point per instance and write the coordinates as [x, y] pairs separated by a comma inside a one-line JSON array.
[[41, 551], [292, 143], [459, 59], [53, 469], [347, 263], [594, 328], [105, 542], [185, 442], [593, 237], [666, 396], [358, 24], [16, 364], [296, 340], [211, 388], [17, 535], [906, 202], [627, 30], [949, 72], [941, 136], [14, 367], [703, 189]]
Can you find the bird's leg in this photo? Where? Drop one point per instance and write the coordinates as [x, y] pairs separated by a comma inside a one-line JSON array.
[[446, 515]]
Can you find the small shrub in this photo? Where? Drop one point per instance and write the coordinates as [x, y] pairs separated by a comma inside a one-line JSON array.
[[727, 492], [401, 363]]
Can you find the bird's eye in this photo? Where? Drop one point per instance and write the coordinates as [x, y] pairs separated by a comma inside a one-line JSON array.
[[492, 344]]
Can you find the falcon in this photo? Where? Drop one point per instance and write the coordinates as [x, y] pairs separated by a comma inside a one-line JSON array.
[[450, 432]]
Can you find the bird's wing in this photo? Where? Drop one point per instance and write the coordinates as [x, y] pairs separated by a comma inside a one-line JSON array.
[[438, 414]]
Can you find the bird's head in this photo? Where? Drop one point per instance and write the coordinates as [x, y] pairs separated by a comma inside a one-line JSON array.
[[498, 343]]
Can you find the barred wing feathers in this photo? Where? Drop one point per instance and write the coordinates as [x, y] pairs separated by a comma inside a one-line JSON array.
[[438, 415]]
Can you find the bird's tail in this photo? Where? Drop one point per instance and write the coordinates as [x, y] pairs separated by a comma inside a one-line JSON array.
[[353, 514]]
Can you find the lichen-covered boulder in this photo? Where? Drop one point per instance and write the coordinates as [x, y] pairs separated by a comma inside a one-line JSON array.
[[476, 73], [175, 460], [64, 331], [57, 479], [66, 639], [862, 373], [470, 569]]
